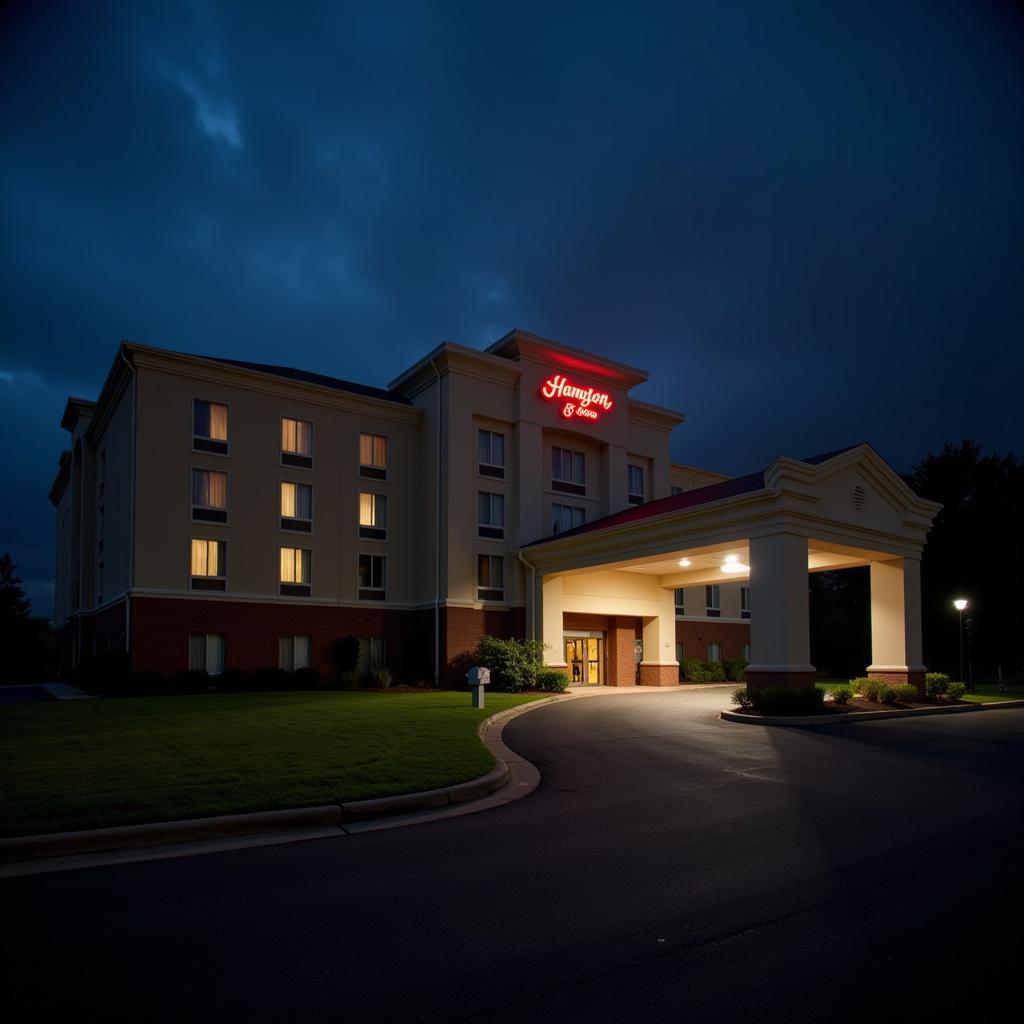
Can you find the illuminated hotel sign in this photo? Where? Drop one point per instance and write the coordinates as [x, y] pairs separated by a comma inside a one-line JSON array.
[[585, 403]]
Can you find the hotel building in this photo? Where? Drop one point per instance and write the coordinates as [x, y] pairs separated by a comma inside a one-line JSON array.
[[217, 514]]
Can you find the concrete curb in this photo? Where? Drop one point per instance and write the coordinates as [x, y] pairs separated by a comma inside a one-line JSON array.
[[360, 813], [863, 716]]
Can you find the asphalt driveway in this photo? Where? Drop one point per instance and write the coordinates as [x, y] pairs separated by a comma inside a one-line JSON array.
[[670, 867]]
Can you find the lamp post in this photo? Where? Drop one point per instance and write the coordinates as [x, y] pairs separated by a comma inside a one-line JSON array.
[[960, 604]]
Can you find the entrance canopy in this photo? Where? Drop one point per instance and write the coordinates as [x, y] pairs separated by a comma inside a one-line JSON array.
[[769, 529]]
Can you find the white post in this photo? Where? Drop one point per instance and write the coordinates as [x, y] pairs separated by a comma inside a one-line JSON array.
[[659, 667], [551, 621], [896, 649]]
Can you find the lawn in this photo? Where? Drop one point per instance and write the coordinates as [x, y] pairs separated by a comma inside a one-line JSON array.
[[91, 763], [983, 693]]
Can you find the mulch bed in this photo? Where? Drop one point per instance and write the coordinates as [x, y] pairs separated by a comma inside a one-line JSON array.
[[857, 704]]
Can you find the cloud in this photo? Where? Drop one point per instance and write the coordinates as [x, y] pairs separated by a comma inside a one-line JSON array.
[[216, 117]]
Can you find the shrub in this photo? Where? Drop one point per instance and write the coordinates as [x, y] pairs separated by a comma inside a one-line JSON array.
[[905, 693], [869, 689], [735, 669], [714, 672], [956, 691], [343, 656], [781, 700], [306, 679], [347, 680], [552, 680], [191, 681], [513, 663], [741, 698], [841, 694], [692, 670], [383, 678], [936, 684]]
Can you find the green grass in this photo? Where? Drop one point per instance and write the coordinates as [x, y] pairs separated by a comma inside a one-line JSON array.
[[984, 693], [92, 763]]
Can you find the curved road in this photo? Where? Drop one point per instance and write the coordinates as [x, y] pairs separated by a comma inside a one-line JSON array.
[[669, 867]]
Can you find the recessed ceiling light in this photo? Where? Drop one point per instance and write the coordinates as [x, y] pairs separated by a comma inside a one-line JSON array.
[[684, 562]]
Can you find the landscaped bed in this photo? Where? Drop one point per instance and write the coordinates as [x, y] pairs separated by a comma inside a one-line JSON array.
[[93, 763]]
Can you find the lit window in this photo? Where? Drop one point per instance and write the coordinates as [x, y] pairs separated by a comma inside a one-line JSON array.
[[680, 596], [373, 456], [209, 495], [296, 443], [372, 654], [491, 447], [745, 602], [635, 484], [373, 516], [295, 571], [209, 566], [372, 577], [714, 652], [296, 507], [490, 578], [293, 652], [206, 652], [491, 515], [568, 471], [209, 427], [712, 601], [566, 517]]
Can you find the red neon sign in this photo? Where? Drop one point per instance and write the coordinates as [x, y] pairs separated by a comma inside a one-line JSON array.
[[585, 403]]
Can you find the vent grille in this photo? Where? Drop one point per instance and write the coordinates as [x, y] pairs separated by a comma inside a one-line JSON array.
[[859, 497]]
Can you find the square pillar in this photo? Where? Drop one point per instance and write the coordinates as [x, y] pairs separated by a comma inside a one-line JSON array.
[[550, 619], [780, 639], [659, 667], [896, 652]]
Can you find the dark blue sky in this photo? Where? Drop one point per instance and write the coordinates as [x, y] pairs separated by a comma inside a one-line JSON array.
[[804, 218]]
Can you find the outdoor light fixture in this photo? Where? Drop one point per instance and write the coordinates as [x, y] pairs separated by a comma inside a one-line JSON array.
[[960, 604], [685, 563], [734, 565]]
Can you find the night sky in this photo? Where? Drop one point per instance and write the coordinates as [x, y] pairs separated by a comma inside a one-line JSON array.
[[805, 219]]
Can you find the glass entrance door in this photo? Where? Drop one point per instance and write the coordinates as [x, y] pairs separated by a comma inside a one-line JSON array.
[[585, 657]]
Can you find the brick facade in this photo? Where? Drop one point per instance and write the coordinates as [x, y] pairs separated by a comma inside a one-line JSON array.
[[695, 635], [897, 678], [793, 680], [621, 633], [461, 629]]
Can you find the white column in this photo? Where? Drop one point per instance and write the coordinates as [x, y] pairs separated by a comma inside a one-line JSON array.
[[896, 617], [659, 667], [551, 621], [779, 629]]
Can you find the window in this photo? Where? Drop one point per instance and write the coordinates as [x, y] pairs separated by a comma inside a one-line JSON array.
[[293, 652], [295, 572], [101, 528], [714, 652], [635, 484], [675, 489], [373, 456], [103, 471], [567, 517], [491, 453], [568, 471], [372, 577], [745, 653], [373, 516], [209, 427], [296, 443], [372, 654], [206, 652], [209, 495], [680, 596], [680, 657], [745, 602], [490, 578], [209, 564], [491, 515], [296, 507], [712, 601]]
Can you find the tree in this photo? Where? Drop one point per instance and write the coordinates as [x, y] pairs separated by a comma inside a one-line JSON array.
[[24, 641], [975, 551]]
